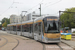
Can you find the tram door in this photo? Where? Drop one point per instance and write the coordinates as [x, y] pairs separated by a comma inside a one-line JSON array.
[[39, 31]]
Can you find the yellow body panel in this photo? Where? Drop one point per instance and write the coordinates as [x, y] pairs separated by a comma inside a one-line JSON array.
[[67, 37], [38, 21], [14, 25], [52, 35], [62, 36], [28, 23]]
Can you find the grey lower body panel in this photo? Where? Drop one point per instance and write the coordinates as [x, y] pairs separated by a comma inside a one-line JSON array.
[[50, 40]]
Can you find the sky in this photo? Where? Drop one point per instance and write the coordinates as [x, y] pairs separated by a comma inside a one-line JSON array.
[[9, 7]]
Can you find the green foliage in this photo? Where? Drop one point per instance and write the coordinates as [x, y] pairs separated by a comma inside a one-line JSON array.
[[0, 24], [73, 31], [5, 21], [68, 19], [4, 24]]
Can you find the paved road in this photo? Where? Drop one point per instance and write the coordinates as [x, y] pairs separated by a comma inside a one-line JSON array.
[[15, 42]]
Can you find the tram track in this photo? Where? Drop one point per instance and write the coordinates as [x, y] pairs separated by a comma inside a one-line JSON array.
[[16, 45], [60, 47], [44, 47], [56, 45], [5, 42]]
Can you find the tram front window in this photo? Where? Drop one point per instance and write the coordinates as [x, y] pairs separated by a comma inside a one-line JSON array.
[[52, 27]]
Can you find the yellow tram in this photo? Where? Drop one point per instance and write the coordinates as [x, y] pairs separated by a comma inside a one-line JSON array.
[[45, 29]]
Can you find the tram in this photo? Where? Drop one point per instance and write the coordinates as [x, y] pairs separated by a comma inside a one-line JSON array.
[[45, 29], [11, 28]]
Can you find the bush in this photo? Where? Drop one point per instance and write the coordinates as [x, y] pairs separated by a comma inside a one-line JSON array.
[[73, 31]]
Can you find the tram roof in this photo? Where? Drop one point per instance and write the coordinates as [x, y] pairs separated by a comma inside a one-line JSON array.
[[23, 23], [13, 24], [42, 17], [27, 22], [31, 21]]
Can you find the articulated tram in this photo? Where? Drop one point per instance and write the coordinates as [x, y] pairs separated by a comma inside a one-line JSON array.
[[45, 29]]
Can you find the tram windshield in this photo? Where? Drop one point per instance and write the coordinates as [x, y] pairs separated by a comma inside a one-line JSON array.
[[52, 27]]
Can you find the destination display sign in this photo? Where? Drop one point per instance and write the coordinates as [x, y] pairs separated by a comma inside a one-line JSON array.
[[51, 19]]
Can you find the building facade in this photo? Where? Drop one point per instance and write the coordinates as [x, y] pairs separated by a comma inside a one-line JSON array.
[[15, 19], [27, 17]]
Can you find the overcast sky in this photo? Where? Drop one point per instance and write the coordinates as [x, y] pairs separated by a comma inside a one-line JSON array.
[[9, 7]]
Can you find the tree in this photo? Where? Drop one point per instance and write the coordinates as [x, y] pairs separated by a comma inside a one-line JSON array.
[[4, 24], [68, 19], [5, 19]]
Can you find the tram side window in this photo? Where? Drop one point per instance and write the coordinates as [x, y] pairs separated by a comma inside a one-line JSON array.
[[11, 28], [26, 28], [23, 28], [8, 28], [39, 26], [30, 28], [36, 27], [14, 28], [18, 28]]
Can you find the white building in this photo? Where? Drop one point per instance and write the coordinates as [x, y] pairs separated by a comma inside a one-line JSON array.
[[17, 19], [31, 16]]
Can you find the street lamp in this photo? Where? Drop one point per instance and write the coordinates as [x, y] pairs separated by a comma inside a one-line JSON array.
[[21, 20]]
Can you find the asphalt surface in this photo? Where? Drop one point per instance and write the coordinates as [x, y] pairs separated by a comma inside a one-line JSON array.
[[15, 42]]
